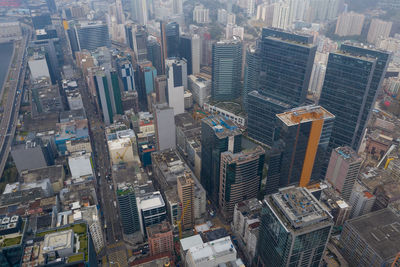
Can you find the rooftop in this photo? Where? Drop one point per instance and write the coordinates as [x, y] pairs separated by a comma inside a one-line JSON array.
[[58, 240], [221, 126], [348, 154], [304, 114], [230, 106], [211, 250], [192, 241], [299, 207], [151, 201], [155, 229], [380, 230]]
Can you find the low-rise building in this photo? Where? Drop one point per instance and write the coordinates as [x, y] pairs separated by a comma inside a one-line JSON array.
[[122, 147], [212, 253], [231, 110], [372, 239], [160, 238]]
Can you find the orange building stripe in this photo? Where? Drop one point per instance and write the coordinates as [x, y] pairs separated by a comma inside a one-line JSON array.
[[312, 146]]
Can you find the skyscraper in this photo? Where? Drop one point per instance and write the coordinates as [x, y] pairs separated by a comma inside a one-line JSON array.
[[353, 76], [349, 24], [185, 51], [251, 73], [128, 209], [172, 39], [343, 169], [378, 29], [300, 151], [294, 229], [176, 83], [240, 178], [186, 197], [226, 69], [217, 136], [139, 11], [161, 89], [154, 54], [146, 75], [92, 35], [163, 45], [140, 43], [177, 6], [286, 62], [164, 126], [108, 93]]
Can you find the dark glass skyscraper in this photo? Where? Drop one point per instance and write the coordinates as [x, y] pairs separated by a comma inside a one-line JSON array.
[[185, 51], [217, 135], [226, 70], [92, 35], [172, 39], [294, 229], [154, 54], [128, 209], [299, 152], [286, 62], [353, 76], [251, 73]]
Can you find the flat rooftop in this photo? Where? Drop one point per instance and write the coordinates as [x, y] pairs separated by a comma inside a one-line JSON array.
[[380, 230], [304, 114], [191, 241], [151, 201], [222, 126], [299, 207], [348, 154], [59, 240]]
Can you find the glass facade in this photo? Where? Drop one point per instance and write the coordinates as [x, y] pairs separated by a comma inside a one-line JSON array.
[[251, 73], [279, 245], [154, 54], [172, 37], [185, 52], [290, 157], [286, 62], [91, 37], [128, 211], [261, 119], [211, 148], [353, 77], [226, 70]]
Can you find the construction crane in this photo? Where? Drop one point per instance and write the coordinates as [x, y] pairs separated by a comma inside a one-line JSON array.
[[180, 221], [121, 157], [396, 262]]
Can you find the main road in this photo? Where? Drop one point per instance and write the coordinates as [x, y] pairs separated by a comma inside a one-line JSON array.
[[102, 162], [14, 83]]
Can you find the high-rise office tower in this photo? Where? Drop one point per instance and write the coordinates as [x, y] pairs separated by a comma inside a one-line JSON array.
[[343, 169], [361, 200], [185, 51], [300, 151], [91, 35], [108, 93], [283, 81], [164, 53], [240, 178], [190, 50], [130, 30], [251, 73], [164, 123], [127, 76], [146, 74], [353, 76], [176, 83], [128, 209], [119, 12], [139, 11], [161, 88], [140, 44], [172, 39], [186, 197], [217, 135], [378, 29], [294, 229], [226, 69], [154, 54], [177, 6]]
